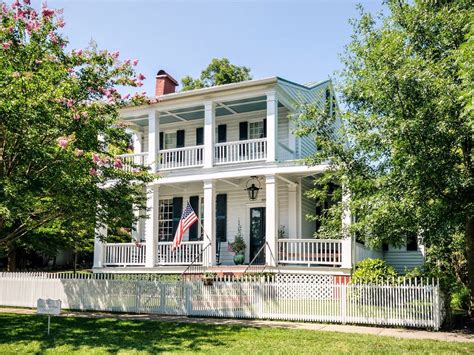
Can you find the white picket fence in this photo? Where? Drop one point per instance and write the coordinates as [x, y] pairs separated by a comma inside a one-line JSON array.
[[321, 298]]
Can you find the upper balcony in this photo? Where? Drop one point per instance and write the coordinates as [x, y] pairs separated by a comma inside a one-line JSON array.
[[217, 126]]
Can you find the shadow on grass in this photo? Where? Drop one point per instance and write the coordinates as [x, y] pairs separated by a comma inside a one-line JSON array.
[[113, 335]]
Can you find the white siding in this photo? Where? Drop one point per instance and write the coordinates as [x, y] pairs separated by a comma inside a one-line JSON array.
[[308, 228], [238, 208], [402, 259], [307, 146]]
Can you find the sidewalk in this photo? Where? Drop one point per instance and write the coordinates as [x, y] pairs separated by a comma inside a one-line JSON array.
[[393, 332]]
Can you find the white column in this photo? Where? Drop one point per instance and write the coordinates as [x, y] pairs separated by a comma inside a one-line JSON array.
[[137, 142], [292, 211], [99, 233], [209, 222], [153, 140], [272, 126], [209, 133], [271, 222], [151, 225]]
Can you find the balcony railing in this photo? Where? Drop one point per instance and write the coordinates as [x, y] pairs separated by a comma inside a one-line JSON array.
[[124, 254], [129, 160], [310, 252], [186, 253], [240, 151], [181, 157]]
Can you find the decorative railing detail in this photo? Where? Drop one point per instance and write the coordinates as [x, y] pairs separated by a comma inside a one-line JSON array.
[[310, 252], [240, 151], [185, 254], [129, 160], [181, 157], [124, 254]]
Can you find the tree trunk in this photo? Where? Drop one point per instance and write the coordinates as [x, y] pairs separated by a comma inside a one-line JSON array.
[[11, 255], [470, 261], [75, 262]]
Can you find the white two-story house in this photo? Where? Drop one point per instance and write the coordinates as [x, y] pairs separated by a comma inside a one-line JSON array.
[[229, 150]]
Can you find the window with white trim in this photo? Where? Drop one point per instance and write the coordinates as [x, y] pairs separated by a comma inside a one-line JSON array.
[[256, 130], [170, 140], [165, 220]]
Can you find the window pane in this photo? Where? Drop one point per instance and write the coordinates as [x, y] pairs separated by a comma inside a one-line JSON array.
[[256, 130], [165, 220], [170, 140]]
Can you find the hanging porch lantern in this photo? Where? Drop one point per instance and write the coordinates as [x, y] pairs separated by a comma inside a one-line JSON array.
[[252, 188]]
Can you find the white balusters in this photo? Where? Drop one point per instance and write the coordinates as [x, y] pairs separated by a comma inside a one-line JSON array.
[[186, 253], [124, 254], [310, 251], [129, 160], [241, 151], [181, 157]]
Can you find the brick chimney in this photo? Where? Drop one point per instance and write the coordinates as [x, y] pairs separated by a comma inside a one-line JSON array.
[[165, 83]]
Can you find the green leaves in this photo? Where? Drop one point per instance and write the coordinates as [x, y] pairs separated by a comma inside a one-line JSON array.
[[54, 106], [218, 72], [405, 146]]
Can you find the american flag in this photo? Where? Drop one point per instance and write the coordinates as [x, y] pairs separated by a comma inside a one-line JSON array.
[[188, 218]]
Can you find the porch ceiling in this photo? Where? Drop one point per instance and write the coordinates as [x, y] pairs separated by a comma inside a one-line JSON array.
[[223, 108]]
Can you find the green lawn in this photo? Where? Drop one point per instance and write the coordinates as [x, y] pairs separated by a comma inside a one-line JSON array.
[[27, 334]]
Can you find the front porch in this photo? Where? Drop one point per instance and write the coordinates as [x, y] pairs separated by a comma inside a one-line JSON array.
[[273, 226], [292, 254]]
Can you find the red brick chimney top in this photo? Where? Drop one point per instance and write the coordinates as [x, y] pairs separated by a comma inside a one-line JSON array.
[[165, 83]]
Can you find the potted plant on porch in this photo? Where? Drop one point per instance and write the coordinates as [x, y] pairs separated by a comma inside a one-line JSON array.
[[238, 246]]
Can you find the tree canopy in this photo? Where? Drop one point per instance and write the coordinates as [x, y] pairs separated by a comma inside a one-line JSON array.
[[403, 146], [59, 131], [218, 72]]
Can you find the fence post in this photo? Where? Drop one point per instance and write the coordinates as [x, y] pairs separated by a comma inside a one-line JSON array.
[[138, 298], [187, 297], [436, 307], [262, 286], [343, 294]]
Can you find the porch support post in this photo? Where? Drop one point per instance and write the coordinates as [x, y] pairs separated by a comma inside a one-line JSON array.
[[209, 222], [209, 132], [153, 140], [347, 245], [137, 142], [99, 233], [151, 225], [271, 222], [272, 126], [292, 211]]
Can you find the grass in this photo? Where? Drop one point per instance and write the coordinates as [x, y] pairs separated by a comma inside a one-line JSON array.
[[27, 334]]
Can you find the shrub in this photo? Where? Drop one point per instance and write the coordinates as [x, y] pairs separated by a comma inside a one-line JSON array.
[[372, 270], [460, 298]]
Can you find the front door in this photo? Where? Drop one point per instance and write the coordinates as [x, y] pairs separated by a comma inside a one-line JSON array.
[[257, 234]]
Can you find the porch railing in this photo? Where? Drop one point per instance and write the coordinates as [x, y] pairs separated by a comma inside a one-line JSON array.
[[128, 160], [181, 157], [184, 255], [310, 252], [240, 151], [124, 254]]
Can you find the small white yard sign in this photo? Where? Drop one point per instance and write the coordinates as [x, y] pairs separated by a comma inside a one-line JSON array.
[[49, 307]]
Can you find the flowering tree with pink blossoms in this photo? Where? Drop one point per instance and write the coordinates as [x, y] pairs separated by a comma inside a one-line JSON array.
[[59, 132]]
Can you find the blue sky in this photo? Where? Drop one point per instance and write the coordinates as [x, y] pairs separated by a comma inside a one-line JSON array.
[[296, 40]]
